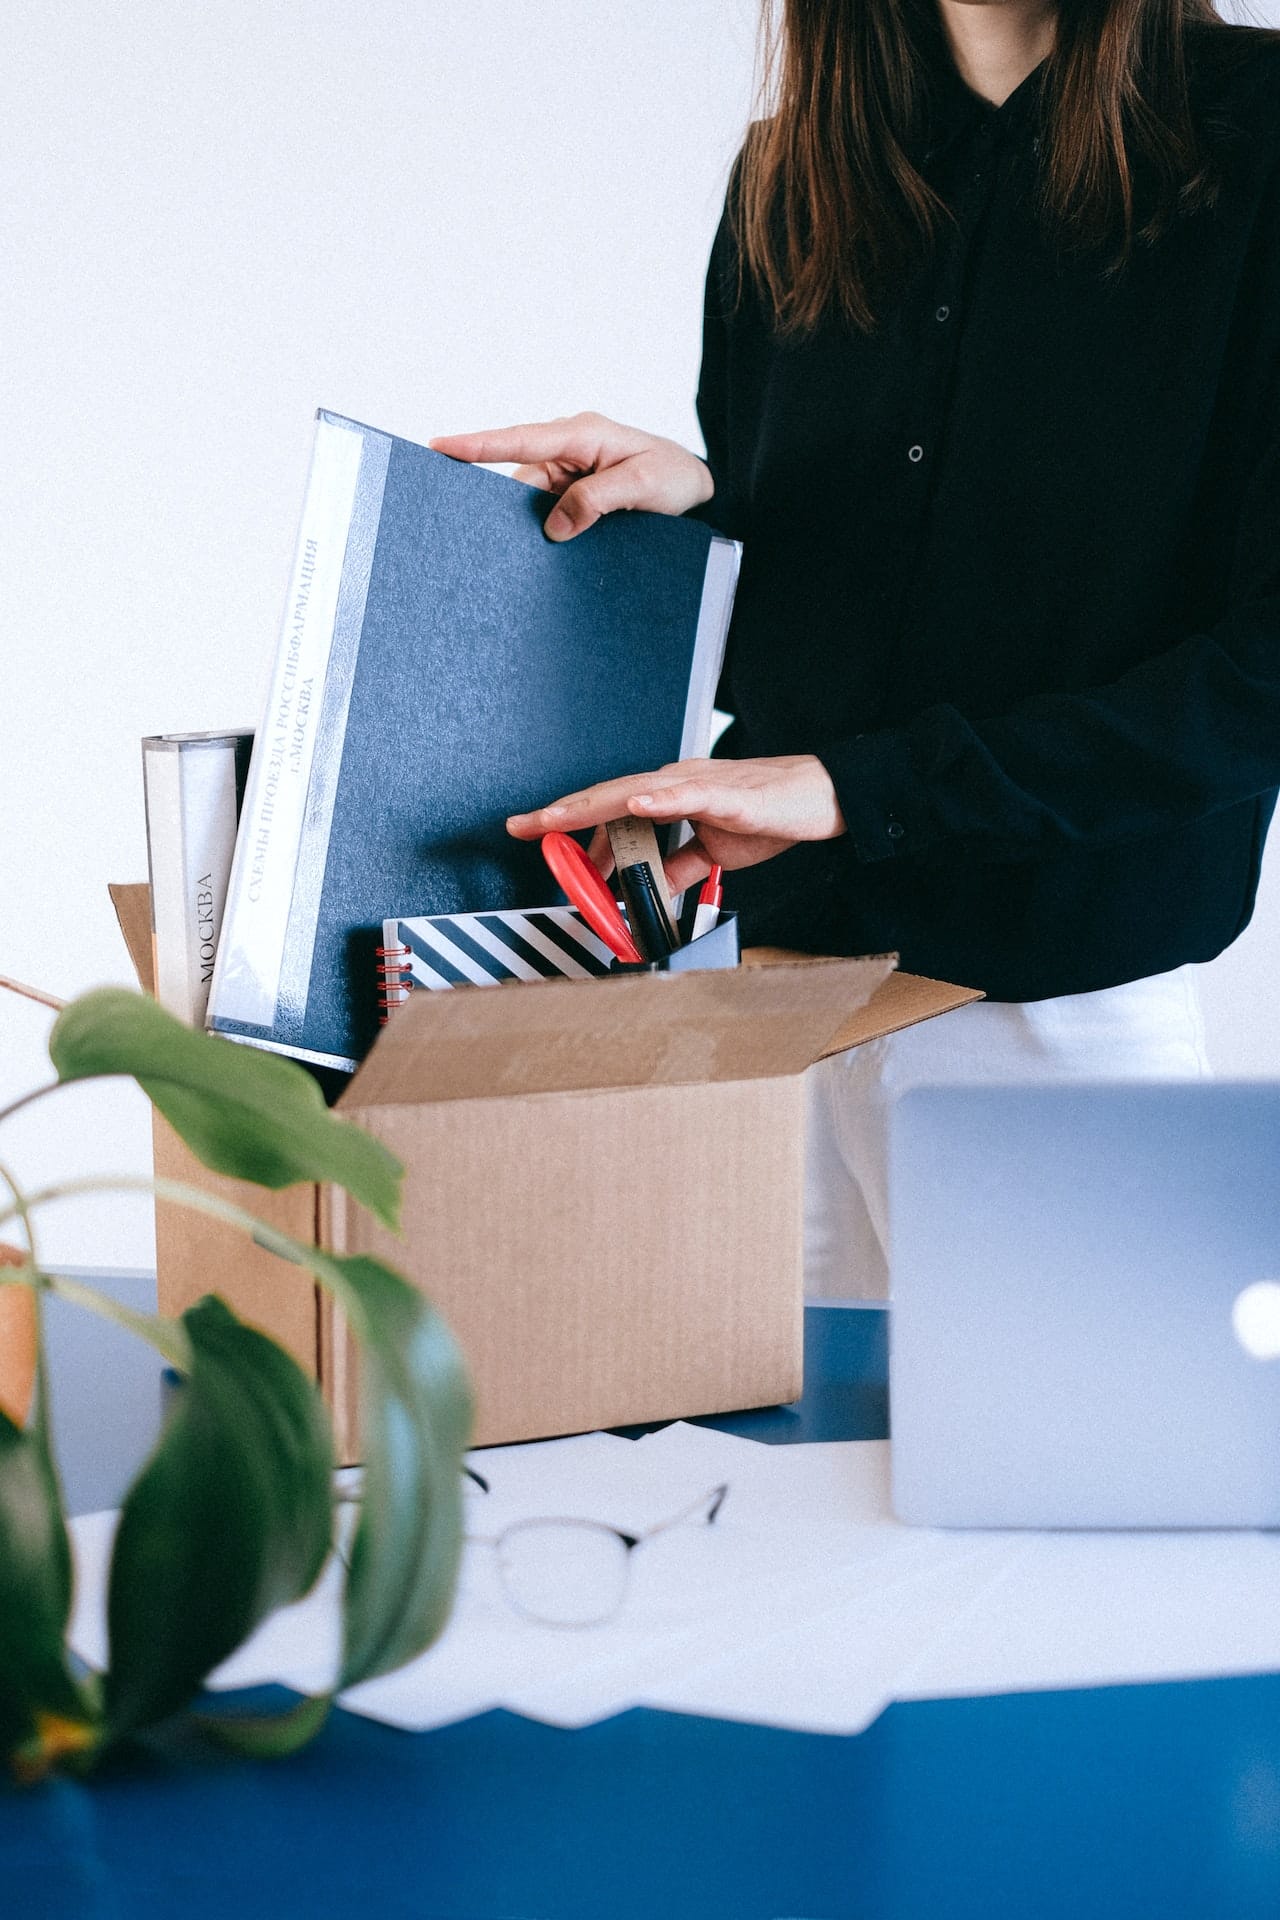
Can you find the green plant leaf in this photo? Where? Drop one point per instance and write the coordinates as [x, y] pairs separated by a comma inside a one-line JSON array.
[[266, 1736], [230, 1518], [243, 1112], [415, 1423], [42, 1707]]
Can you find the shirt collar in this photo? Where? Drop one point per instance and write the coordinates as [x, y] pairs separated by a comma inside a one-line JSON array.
[[955, 108]]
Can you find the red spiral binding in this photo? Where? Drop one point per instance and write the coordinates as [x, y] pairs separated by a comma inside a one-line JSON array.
[[395, 980]]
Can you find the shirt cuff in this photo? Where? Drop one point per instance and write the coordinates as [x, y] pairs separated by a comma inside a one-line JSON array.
[[881, 795], [707, 512], [715, 512]]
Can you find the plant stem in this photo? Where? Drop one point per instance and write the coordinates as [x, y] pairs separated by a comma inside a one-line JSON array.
[[166, 1336], [28, 1099], [181, 1196], [328, 1270], [159, 1331], [32, 993], [21, 1210]]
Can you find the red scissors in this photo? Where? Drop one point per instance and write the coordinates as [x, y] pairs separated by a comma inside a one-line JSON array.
[[586, 889]]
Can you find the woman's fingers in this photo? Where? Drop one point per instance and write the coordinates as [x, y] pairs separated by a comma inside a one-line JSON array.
[[599, 852], [687, 866], [533, 444], [593, 806], [596, 466], [726, 806], [741, 810], [550, 457], [608, 490], [581, 440]]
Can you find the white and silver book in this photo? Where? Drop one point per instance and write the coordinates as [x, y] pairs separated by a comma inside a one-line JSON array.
[[193, 785]]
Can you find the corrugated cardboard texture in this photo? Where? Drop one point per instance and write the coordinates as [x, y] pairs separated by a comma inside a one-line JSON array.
[[196, 1255], [603, 1192], [605, 1257], [133, 910], [642, 1030], [903, 1000]]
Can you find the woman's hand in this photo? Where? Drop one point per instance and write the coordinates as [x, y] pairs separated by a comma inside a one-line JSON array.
[[595, 465], [742, 811]]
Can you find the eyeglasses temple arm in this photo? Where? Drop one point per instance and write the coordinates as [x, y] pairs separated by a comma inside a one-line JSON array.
[[716, 1497]]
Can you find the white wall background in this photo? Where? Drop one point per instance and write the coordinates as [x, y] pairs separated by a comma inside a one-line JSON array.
[[218, 217]]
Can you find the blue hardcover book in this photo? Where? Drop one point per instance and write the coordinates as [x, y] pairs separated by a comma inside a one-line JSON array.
[[442, 664]]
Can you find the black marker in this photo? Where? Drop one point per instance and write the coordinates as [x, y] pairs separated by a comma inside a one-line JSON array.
[[647, 918], [643, 885]]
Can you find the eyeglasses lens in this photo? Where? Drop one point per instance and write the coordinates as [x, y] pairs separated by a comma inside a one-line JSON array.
[[566, 1574]]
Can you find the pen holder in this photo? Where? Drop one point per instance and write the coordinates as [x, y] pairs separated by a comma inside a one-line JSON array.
[[711, 952]]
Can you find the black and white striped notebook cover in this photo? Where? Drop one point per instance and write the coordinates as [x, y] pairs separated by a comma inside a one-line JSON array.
[[482, 949]]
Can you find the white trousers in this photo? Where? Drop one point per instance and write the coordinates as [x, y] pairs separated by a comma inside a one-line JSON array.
[[1146, 1030]]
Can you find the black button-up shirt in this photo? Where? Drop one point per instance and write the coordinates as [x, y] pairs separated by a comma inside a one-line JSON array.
[[1012, 569]]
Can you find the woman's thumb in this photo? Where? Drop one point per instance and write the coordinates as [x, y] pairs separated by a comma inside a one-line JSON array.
[[605, 491]]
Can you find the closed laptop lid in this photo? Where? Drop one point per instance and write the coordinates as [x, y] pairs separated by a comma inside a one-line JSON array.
[[1085, 1328]]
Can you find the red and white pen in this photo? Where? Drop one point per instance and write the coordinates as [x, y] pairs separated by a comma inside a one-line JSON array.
[[708, 914]]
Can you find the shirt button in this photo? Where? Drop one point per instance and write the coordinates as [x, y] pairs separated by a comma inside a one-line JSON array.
[[895, 829], [915, 453], [942, 313]]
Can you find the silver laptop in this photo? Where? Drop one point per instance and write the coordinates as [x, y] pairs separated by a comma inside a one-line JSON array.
[[1085, 1328]]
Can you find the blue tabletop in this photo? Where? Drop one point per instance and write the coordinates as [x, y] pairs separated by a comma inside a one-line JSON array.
[[1125, 1801]]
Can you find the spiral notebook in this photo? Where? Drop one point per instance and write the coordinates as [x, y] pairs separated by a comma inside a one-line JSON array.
[[484, 949], [539, 943], [442, 664]]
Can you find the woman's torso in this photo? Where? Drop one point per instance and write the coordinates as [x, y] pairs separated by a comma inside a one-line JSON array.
[[1025, 482]]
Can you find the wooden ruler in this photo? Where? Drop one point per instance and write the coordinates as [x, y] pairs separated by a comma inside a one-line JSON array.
[[635, 846]]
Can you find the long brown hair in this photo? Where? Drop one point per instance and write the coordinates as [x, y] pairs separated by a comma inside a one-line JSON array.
[[828, 206]]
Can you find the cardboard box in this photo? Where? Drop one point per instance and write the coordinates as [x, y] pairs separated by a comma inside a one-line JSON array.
[[603, 1192]]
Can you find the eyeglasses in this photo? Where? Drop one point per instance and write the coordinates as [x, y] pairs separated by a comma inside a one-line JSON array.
[[560, 1572], [575, 1573]]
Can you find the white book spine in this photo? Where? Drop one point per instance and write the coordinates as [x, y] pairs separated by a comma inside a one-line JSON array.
[[191, 800], [251, 954], [724, 559], [720, 584]]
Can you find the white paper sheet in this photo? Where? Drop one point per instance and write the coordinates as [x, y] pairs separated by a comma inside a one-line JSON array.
[[795, 1537], [835, 1668], [1087, 1609], [805, 1605], [690, 1588]]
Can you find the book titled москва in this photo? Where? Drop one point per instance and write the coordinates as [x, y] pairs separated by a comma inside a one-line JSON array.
[[193, 785], [441, 665]]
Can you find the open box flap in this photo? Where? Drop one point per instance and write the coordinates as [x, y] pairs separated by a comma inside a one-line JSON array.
[[642, 1030], [133, 910], [903, 1000], [895, 1000]]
